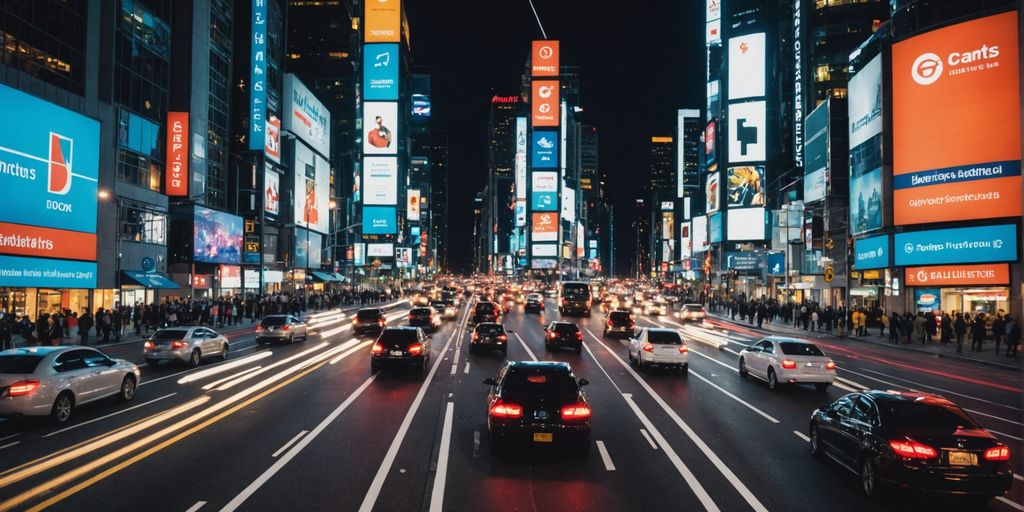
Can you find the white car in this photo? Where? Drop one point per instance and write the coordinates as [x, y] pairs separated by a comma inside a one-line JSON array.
[[780, 360], [659, 347], [186, 344], [692, 312], [53, 381]]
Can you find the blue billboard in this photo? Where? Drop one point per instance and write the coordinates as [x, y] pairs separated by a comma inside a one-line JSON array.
[[544, 149], [776, 263], [49, 164], [46, 273], [715, 228], [978, 244], [380, 72], [545, 202], [742, 261], [379, 220], [258, 76], [872, 252], [217, 237], [928, 299]]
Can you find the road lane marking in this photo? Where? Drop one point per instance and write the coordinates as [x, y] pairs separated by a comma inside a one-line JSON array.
[[801, 435], [904, 386], [466, 371], [280, 463], [289, 443], [704, 448], [851, 383], [72, 427], [8, 445], [221, 368], [218, 382], [196, 507], [713, 360], [994, 417], [734, 397], [1004, 434], [455, 362], [844, 387], [1018, 477], [389, 458], [238, 380], [647, 436], [437, 493], [936, 388], [350, 351], [528, 351], [476, 445], [1017, 506], [2, 439], [608, 464]]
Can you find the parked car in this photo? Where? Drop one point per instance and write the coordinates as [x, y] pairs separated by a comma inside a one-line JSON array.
[[910, 440], [779, 360], [489, 335], [537, 403], [659, 347], [186, 344], [407, 347], [281, 328], [563, 334], [54, 381], [368, 321]]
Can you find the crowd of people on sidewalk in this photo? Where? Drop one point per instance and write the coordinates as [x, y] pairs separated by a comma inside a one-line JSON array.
[[1001, 329], [111, 325]]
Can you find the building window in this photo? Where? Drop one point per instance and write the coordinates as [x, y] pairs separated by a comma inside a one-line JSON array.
[[822, 73], [138, 170], [138, 134], [145, 28], [142, 225], [839, 92], [45, 39]]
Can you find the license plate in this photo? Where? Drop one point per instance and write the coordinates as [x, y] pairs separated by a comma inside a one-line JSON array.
[[396, 353], [962, 459], [543, 437]]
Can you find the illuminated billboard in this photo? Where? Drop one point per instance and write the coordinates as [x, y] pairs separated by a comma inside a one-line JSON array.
[[746, 186], [272, 139], [544, 102], [305, 116], [258, 75], [217, 237], [544, 196], [544, 227], [380, 72], [746, 224], [272, 193], [380, 250], [379, 220], [176, 179], [710, 157], [956, 123], [412, 207], [380, 180], [699, 233], [312, 188], [816, 153], [420, 106], [715, 227], [383, 21], [746, 66], [544, 58], [712, 194], [520, 169], [544, 149], [976, 244], [380, 124], [864, 104], [865, 198], [747, 132], [871, 253]]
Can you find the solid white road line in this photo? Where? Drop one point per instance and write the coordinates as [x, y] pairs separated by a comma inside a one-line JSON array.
[[197, 506], [357, 348], [647, 436], [289, 443], [528, 351], [1004, 434], [734, 397], [1018, 477], [389, 458], [801, 435], [455, 362], [608, 464], [2, 439], [466, 371], [437, 493], [273, 469], [1012, 504], [972, 411], [851, 383], [713, 360], [228, 385], [740, 487], [937, 389], [94, 420], [221, 368], [844, 387], [8, 445]]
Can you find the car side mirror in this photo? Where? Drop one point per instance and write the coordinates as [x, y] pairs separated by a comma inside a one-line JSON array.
[[583, 382], [490, 382]]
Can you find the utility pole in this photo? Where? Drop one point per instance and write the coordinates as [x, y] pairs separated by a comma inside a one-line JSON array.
[[611, 240]]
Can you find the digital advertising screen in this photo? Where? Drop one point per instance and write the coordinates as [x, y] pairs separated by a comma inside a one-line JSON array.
[[746, 224], [544, 58], [379, 220], [746, 66], [977, 244], [816, 153], [544, 227], [956, 123], [710, 156], [544, 196], [380, 72], [871, 253], [699, 233], [864, 104], [542, 250], [380, 180], [544, 149], [412, 207], [715, 228], [746, 186], [420, 107], [712, 194], [865, 199], [306, 116], [380, 127], [217, 237], [272, 192], [312, 189], [544, 103], [747, 132], [380, 250], [383, 21]]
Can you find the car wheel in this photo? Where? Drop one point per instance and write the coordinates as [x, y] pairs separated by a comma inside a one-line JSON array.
[[743, 368], [773, 381], [686, 370], [128, 389], [62, 407], [869, 478], [194, 359], [815, 442], [822, 387], [291, 339], [224, 352]]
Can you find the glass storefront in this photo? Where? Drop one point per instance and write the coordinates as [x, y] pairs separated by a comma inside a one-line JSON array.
[[988, 300], [35, 301]]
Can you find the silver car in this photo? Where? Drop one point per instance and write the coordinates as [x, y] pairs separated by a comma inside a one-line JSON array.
[[52, 381], [285, 328], [188, 344]]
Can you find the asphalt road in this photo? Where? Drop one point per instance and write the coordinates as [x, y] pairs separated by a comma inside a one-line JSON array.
[[309, 427]]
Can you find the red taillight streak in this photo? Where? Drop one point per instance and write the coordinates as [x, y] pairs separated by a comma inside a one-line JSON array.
[[259, 328], [912, 449], [23, 387], [286, 327], [684, 349], [997, 453], [415, 349], [648, 347], [503, 410], [579, 336], [377, 348], [579, 411], [552, 335], [503, 337], [789, 364], [476, 336]]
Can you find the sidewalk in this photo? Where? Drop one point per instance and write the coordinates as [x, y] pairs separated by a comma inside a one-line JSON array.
[[986, 356]]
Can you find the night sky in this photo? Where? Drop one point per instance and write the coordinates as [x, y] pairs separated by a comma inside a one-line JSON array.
[[638, 67]]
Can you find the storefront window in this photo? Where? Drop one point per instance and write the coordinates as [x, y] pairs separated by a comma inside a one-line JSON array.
[[976, 300], [102, 299], [141, 225], [12, 301]]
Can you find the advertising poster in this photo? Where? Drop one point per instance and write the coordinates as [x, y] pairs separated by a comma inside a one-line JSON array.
[[306, 116], [521, 149], [544, 196], [542, 250], [715, 228], [746, 66], [380, 250], [380, 72], [746, 224], [712, 194], [359, 254], [176, 178], [699, 233], [746, 186], [420, 107], [272, 192], [710, 158], [230, 276], [412, 209], [380, 124], [383, 21], [864, 104], [543, 264], [979, 244], [544, 149], [816, 154], [380, 185], [928, 299], [667, 225], [956, 123], [959, 275], [311, 188], [713, 101], [379, 220], [272, 141], [544, 227], [403, 257], [544, 58], [520, 213], [777, 263], [217, 237], [31, 272], [747, 132], [544, 103], [871, 253], [257, 75], [865, 197]]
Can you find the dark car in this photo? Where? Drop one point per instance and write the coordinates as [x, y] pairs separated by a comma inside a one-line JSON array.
[[280, 328], [911, 440], [619, 323], [486, 312], [575, 298], [426, 318], [369, 321], [407, 347], [563, 334], [537, 403], [489, 335], [534, 303]]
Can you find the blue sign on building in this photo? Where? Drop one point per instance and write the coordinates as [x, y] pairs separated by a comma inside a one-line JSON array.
[[544, 149], [46, 273], [380, 72], [776, 263], [979, 244], [742, 261], [379, 220], [545, 202], [871, 252], [258, 76], [715, 227]]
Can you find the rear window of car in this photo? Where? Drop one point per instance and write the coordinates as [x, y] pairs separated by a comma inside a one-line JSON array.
[[539, 381], [170, 334], [19, 363], [421, 311], [393, 335], [577, 291], [664, 338], [273, 320], [693, 307], [791, 348], [927, 416], [490, 329], [567, 327], [485, 307], [368, 314], [619, 316]]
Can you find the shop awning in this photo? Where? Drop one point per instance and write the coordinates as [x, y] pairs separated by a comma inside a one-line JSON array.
[[324, 276], [149, 279], [340, 278]]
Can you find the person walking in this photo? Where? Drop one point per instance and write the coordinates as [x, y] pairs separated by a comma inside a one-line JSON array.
[[919, 329], [1013, 329], [814, 319], [959, 329], [978, 332], [930, 326], [84, 324], [6, 329], [998, 330], [945, 329], [894, 328], [56, 330]]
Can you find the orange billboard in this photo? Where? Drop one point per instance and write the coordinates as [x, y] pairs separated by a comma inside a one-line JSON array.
[[544, 58], [959, 275], [956, 123], [177, 154], [383, 21], [46, 242], [545, 227], [544, 103]]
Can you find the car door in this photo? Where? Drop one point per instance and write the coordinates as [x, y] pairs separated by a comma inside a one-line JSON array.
[[211, 342], [73, 374], [828, 428], [755, 361], [854, 428], [750, 356], [636, 341], [301, 326], [767, 357], [105, 380]]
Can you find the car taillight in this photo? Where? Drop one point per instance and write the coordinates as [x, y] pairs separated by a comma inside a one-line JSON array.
[[552, 335], [285, 327], [23, 387], [381, 321], [259, 328], [912, 449], [610, 324], [416, 349], [503, 410], [632, 325], [377, 348], [997, 453], [502, 338], [579, 336], [648, 347], [576, 412], [178, 344], [476, 336], [788, 364], [831, 365], [149, 345], [411, 316], [684, 349]]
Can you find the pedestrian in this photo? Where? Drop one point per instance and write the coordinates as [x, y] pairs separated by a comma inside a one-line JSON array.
[[894, 328], [1013, 329], [978, 332], [919, 329], [814, 319], [946, 329], [56, 330], [930, 326], [84, 324], [959, 329], [998, 330], [6, 339]]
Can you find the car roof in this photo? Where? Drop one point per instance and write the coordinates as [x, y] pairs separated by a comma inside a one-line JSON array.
[[280, 315], [39, 351], [421, 308], [780, 339], [402, 328], [889, 395], [489, 324], [661, 329]]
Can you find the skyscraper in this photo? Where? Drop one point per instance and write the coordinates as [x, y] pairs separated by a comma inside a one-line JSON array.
[[662, 164]]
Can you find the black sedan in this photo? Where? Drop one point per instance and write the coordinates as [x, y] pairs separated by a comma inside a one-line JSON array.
[[425, 318], [563, 334], [913, 441], [538, 403], [406, 347], [489, 335], [534, 303], [368, 321]]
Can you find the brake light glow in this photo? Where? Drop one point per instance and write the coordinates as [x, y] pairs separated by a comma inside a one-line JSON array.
[[579, 336], [997, 453], [286, 327], [912, 449], [416, 349], [831, 365], [381, 321], [552, 335], [503, 337], [576, 412], [789, 364], [648, 347], [259, 328], [503, 410], [148, 345], [23, 387], [476, 336], [377, 348], [684, 349], [178, 344]]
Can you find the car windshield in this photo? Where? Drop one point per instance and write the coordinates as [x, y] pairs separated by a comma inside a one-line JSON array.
[[490, 329], [19, 363], [539, 381], [566, 327], [273, 320], [420, 312], [793, 348], [368, 314], [398, 335], [927, 416], [619, 316], [485, 307], [170, 334], [664, 337]]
